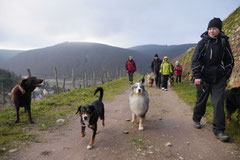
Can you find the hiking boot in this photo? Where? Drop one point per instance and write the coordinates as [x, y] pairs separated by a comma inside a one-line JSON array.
[[166, 89], [197, 125], [162, 88], [222, 137]]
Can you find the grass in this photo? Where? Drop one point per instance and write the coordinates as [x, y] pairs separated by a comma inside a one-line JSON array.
[[45, 113], [187, 91], [139, 143]]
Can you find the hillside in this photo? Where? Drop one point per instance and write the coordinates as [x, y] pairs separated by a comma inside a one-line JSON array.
[[84, 56], [7, 54], [231, 27], [78, 55], [171, 51]]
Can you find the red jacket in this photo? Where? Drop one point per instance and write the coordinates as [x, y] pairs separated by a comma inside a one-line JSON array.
[[131, 66], [178, 70]]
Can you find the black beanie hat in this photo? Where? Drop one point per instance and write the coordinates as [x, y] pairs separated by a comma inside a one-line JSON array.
[[215, 22], [156, 55]]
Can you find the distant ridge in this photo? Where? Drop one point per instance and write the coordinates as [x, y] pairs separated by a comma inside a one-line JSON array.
[[86, 56]]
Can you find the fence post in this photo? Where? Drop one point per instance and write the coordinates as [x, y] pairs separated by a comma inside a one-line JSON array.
[[29, 72], [101, 77], [85, 79], [64, 79], [29, 75], [73, 78], [3, 96], [94, 79], [55, 71]]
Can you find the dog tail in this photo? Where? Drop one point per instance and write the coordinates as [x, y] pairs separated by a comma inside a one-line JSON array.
[[101, 93], [143, 79]]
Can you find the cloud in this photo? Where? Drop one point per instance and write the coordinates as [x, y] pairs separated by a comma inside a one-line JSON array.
[[40, 23]]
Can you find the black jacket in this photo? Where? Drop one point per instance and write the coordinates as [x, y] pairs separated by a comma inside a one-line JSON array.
[[156, 65], [212, 58]]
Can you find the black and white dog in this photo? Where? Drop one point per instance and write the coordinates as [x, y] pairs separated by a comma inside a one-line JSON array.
[[89, 115], [139, 102]]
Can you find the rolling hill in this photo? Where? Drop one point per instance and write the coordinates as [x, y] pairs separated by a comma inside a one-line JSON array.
[[171, 51], [7, 54], [84, 56], [78, 55]]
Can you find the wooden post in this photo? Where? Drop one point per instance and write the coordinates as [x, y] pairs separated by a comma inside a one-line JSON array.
[[117, 74], [57, 88], [94, 79], [64, 79], [29, 75], [3, 96], [73, 78], [101, 77], [85, 79], [29, 72], [108, 76]]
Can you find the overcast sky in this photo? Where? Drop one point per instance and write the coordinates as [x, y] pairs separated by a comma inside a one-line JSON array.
[[28, 24]]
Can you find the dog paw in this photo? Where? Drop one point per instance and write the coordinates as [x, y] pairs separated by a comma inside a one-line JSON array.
[[89, 147], [32, 122], [140, 128], [83, 135], [17, 121]]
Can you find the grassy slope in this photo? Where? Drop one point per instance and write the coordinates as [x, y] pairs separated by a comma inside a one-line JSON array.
[[187, 91], [46, 112]]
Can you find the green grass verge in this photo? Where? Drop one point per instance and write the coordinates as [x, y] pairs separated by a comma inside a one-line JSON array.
[[45, 113], [187, 91]]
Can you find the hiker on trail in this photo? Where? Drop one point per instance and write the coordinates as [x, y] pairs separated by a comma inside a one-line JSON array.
[[155, 66], [178, 72], [212, 65], [131, 68], [165, 70]]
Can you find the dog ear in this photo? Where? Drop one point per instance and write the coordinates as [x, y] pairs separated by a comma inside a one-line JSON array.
[[79, 109]]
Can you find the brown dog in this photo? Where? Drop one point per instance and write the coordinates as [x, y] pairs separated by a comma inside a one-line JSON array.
[[150, 78], [171, 81], [21, 95]]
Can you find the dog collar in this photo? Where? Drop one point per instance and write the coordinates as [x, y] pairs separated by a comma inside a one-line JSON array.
[[21, 89]]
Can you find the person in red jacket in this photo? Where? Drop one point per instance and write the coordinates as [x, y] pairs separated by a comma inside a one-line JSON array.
[[178, 72], [131, 68]]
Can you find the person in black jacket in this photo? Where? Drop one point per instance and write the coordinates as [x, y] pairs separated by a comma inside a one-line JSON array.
[[155, 66], [212, 65]]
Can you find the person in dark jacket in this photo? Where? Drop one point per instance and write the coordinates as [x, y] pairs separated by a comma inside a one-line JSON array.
[[131, 68], [155, 66], [212, 65]]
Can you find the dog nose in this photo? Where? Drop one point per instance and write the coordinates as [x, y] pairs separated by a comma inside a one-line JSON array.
[[139, 90], [85, 117]]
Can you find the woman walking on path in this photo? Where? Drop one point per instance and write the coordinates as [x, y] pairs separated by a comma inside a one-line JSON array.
[[131, 68], [165, 70]]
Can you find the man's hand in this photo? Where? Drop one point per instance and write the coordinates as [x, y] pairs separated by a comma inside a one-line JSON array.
[[198, 81]]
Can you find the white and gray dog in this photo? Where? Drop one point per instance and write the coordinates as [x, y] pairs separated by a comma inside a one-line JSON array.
[[139, 102]]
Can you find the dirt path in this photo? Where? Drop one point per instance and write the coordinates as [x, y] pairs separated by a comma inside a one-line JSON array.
[[168, 120]]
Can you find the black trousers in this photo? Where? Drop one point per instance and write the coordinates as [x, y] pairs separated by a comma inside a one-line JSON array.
[[165, 81], [157, 79], [217, 99], [130, 75]]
